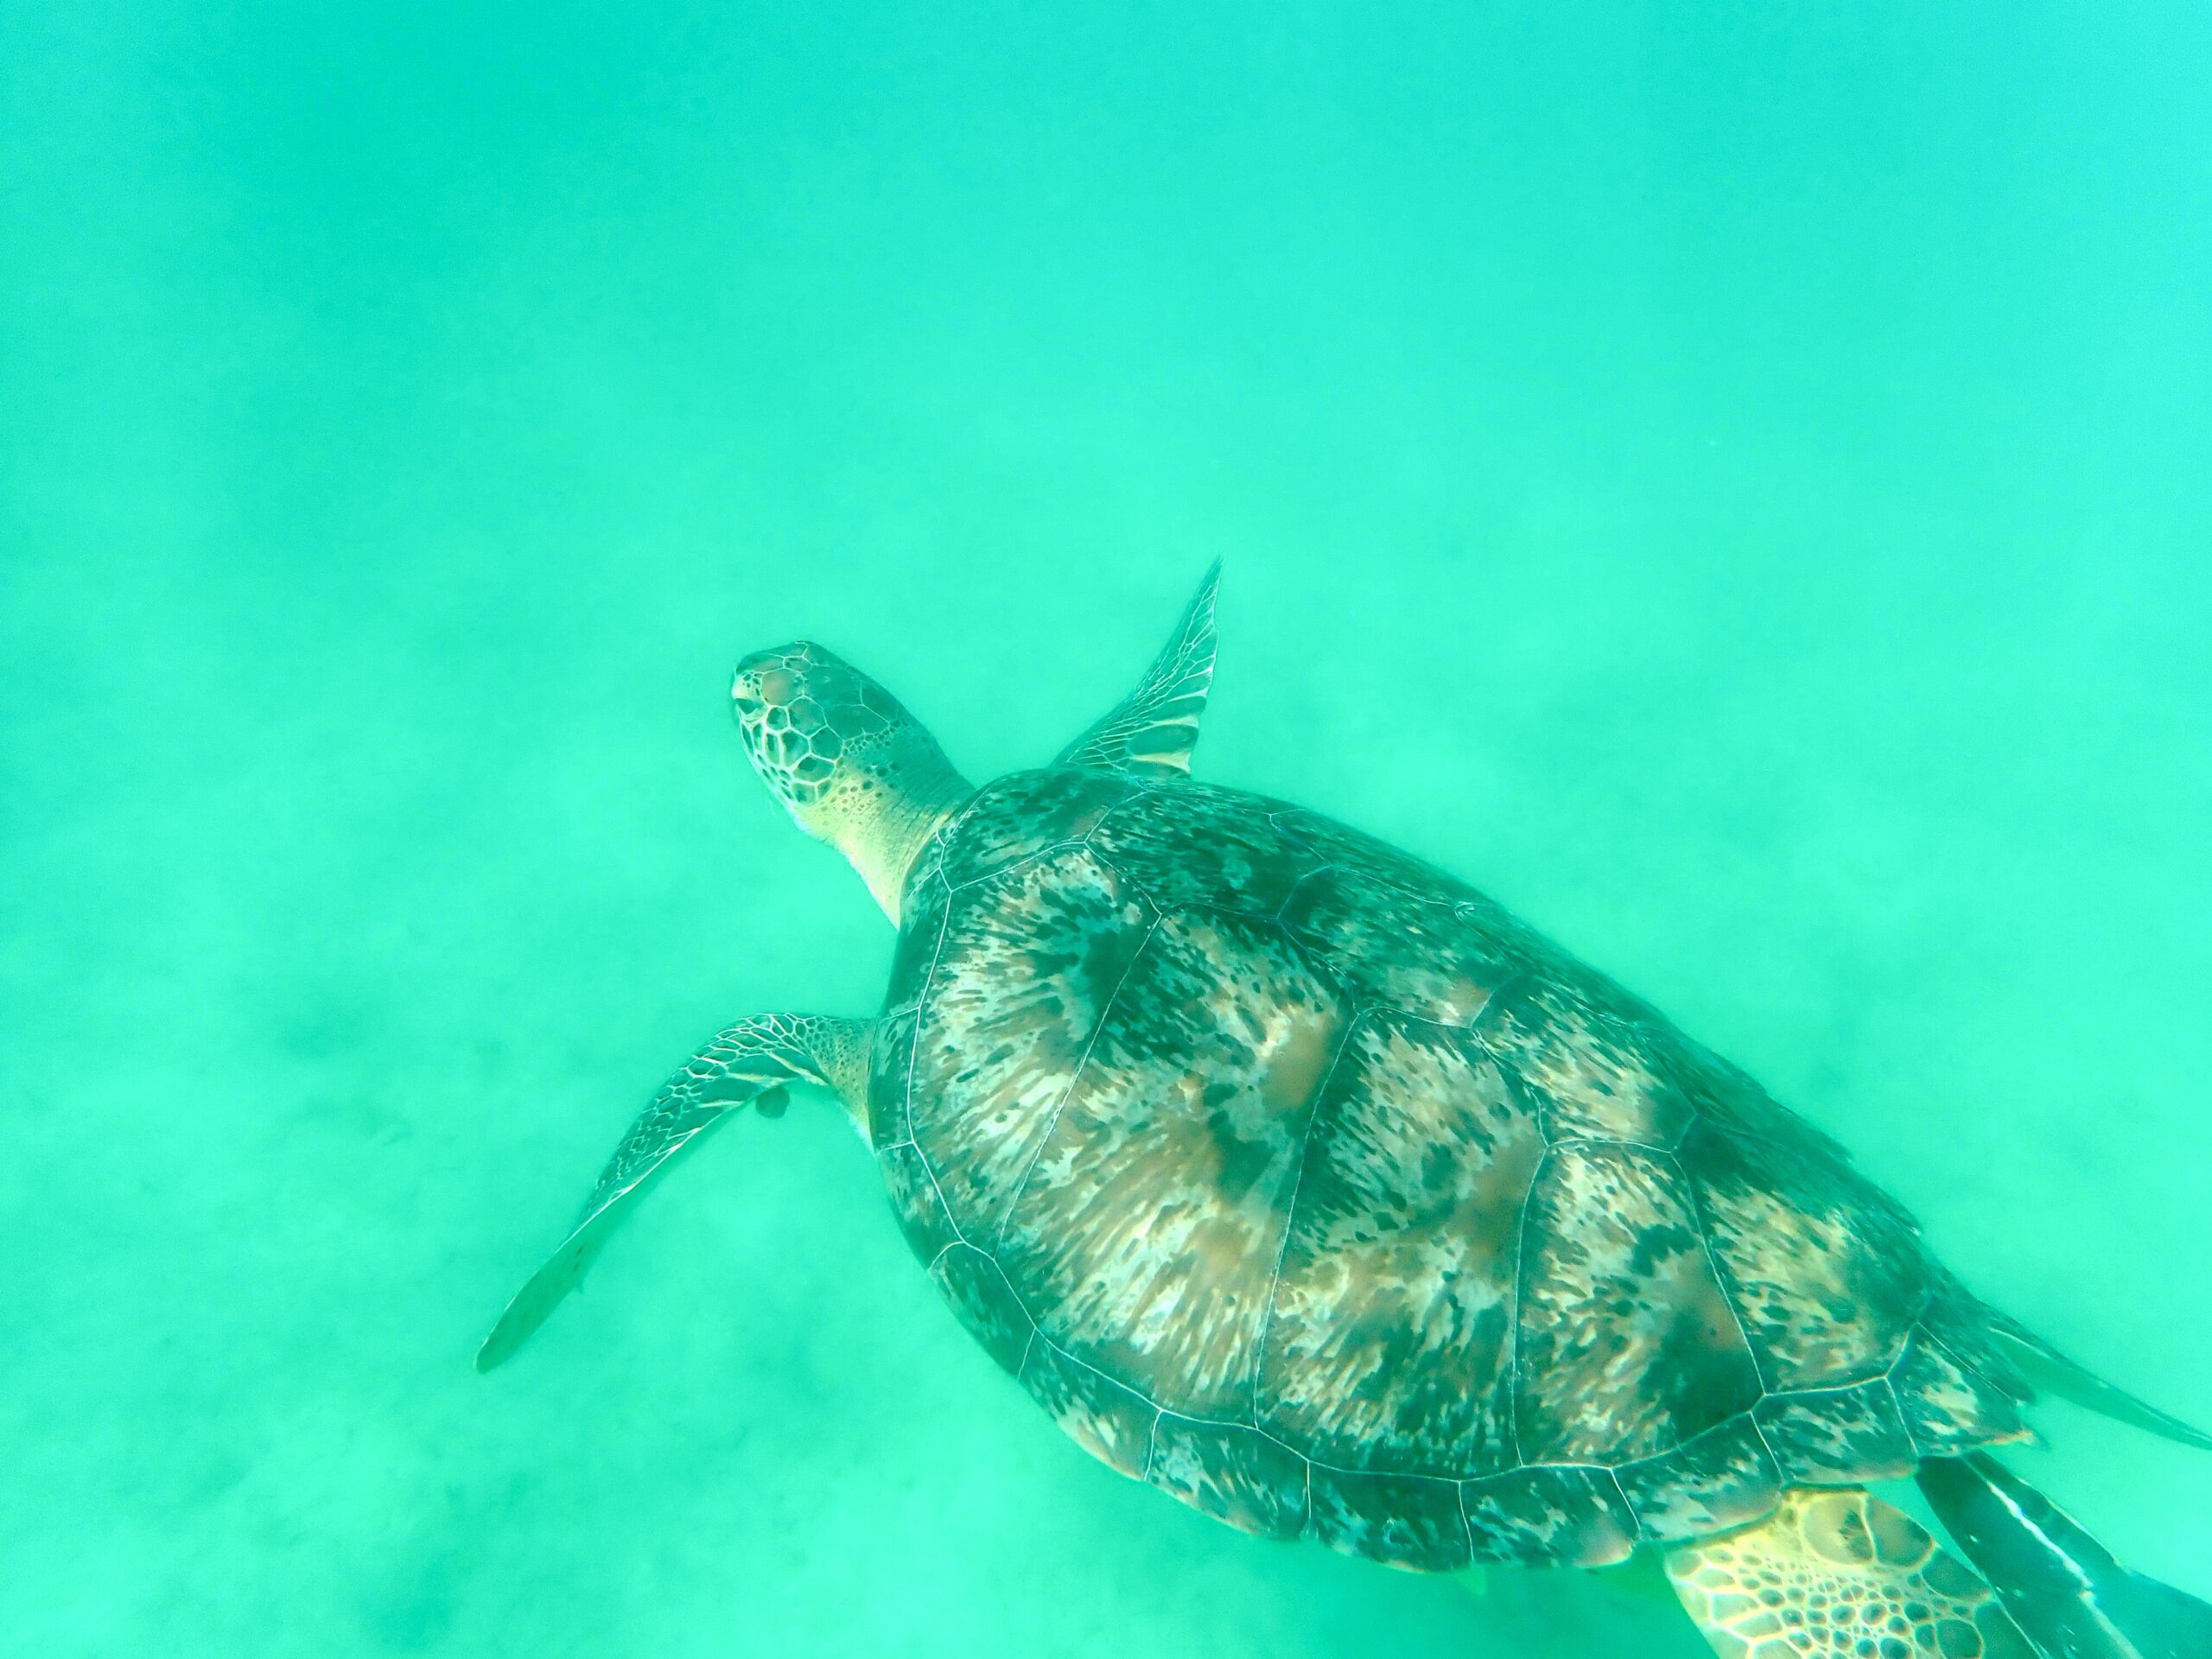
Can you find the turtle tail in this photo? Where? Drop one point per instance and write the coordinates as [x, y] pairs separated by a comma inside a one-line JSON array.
[[2063, 1589]]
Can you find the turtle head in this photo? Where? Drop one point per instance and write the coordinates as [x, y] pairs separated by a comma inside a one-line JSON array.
[[842, 754]]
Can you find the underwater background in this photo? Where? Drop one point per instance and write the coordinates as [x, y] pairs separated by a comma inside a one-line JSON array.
[[1733, 481]]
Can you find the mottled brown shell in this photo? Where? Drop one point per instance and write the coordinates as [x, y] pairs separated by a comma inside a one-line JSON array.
[[1304, 1183]]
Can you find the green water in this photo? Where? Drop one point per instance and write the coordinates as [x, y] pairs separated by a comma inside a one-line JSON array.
[[1731, 480]]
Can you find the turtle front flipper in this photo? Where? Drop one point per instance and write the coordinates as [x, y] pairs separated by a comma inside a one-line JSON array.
[[751, 1063], [2064, 1588], [1836, 1574], [1152, 731]]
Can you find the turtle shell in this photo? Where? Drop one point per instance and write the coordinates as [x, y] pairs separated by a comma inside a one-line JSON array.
[[1304, 1182]]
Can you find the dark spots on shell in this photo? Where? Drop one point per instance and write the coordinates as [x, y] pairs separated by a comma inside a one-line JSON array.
[[1248, 1152], [1146, 1230], [1826, 1277], [1949, 1406], [1192, 845], [1721, 1478], [1390, 1340], [914, 1200], [1700, 1355], [1577, 1043], [1238, 1475], [890, 1059], [1111, 1422], [1836, 1435], [1966, 1327], [1406, 1521], [1402, 950], [1002, 1042], [1657, 1241], [1549, 1515], [1498, 1198], [922, 914], [985, 1303], [1104, 953], [1624, 1348], [1022, 815]]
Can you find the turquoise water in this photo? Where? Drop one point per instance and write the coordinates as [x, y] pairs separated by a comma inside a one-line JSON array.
[[1731, 482]]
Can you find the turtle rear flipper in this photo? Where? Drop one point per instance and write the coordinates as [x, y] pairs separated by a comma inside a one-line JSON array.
[[2064, 1589], [2043, 1366]]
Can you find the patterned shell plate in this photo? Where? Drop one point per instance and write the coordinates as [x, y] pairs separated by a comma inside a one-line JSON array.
[[1302, 1181]]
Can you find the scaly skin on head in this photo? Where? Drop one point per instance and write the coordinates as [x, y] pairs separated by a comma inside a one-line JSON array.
[[851, 766]]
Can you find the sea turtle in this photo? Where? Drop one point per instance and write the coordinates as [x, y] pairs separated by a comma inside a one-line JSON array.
[[1302, 1181]]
